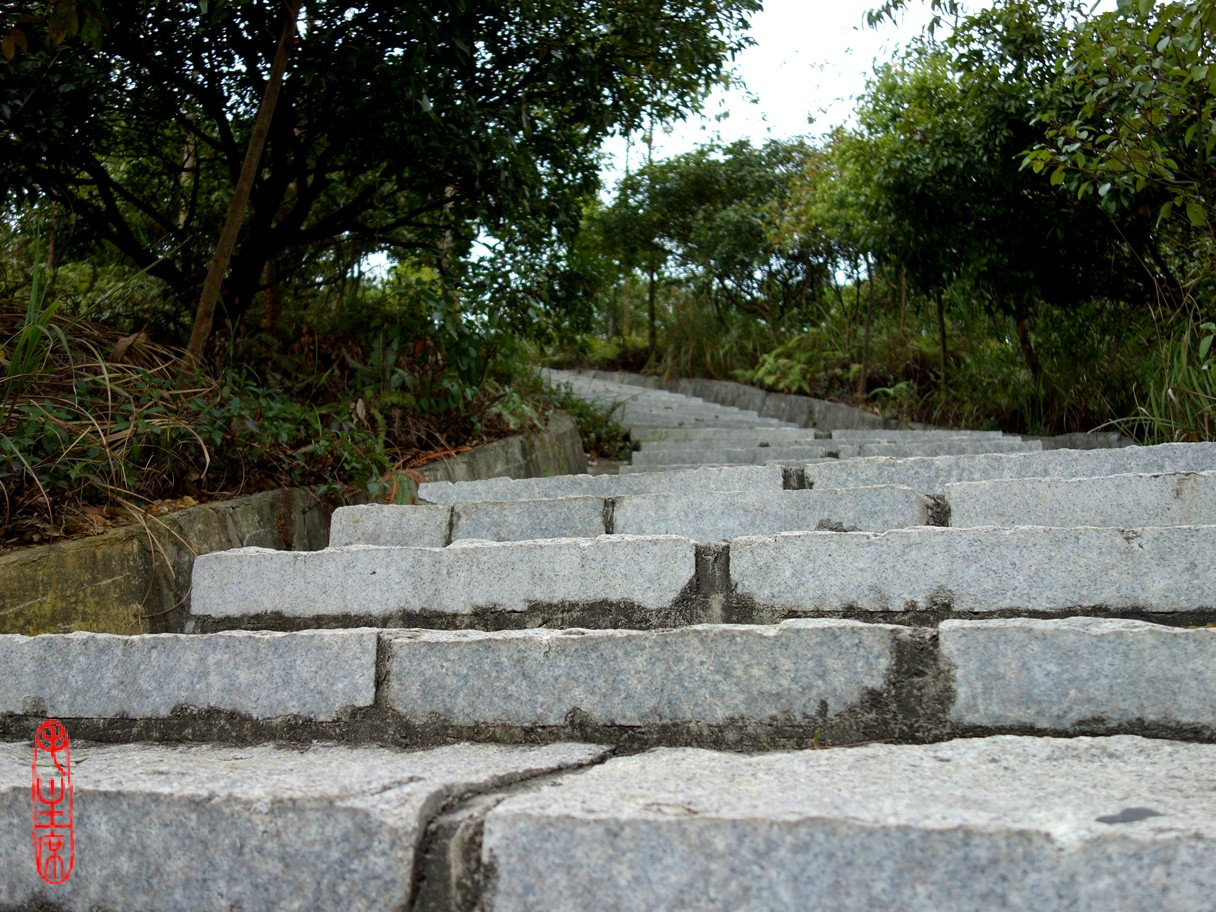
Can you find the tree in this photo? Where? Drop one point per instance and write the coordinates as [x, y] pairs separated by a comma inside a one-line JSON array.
[[1139, 135], [406, 128], [706, 218], [939, 154]]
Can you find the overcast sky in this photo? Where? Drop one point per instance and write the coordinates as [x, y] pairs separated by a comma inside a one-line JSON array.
[[810, 61]]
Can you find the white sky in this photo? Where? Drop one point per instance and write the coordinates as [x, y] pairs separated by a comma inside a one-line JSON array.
[[810, 60]]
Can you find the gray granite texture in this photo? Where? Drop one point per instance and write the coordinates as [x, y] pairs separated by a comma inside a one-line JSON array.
[[731, 478], [210, 829], [878, 435], [729, 454], [716, 516], [365, 580], [317, 674], [413, 525], [561, 517], [1028, 568], [930, 474], [966, 826], [1055, 674], [791, 672], [1122, 501]]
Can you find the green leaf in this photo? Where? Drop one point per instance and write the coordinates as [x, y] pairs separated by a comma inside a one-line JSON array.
[[1057, 177], [1194, 211]]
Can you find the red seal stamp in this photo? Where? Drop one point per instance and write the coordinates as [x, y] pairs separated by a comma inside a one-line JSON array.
[[54, 839]]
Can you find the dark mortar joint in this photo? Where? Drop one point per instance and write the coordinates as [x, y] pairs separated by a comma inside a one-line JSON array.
[[689, 607], [1167, 731], [609, 515], [939, 510], [793, 478]]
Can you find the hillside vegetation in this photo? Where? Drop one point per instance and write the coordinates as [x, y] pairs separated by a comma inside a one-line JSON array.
[[249, 243]]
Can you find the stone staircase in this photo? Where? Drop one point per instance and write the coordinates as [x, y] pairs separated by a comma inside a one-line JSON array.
[[765, 667]]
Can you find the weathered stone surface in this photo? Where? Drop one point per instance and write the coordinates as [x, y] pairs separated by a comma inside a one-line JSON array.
[[1060, 673], [967, 826], [980, 570], [404, 525], [792, 672], [777, 436], [930, 475], [731, 455], [316, 674], [878, 435], [364, 580], [521, 520], [717, 516], [1126, 501], [945, 447], [730, 478], [208, 828]]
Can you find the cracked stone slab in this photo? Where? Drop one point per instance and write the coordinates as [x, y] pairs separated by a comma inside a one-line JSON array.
[[1056, 674], [730, 478], [1027, 568], [365, 580], [716, 516], [210, 828], [1122, 501], [317, 675], [791, 672], [930, 474], [968, 826]]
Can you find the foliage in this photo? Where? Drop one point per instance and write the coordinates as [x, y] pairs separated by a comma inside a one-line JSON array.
[[96, 425], [1144, 132], [407, 128]]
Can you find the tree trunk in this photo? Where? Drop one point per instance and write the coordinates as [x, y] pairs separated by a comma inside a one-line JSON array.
[[941, 330], [903, 298], [1028, 352], [204, 315], [865, 345], [651, 291]]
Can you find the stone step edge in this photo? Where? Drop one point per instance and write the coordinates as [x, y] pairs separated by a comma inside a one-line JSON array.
[[673, 581], [797, 684], [572, 826], [438, 525], [1124, 500], [965, 826]]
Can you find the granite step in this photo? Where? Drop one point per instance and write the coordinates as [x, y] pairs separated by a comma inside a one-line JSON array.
[[909, 574], [968, 826], [163, 828], [710, 516], [694, 479], [1128, 501], [930, 475], [794, 684]]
